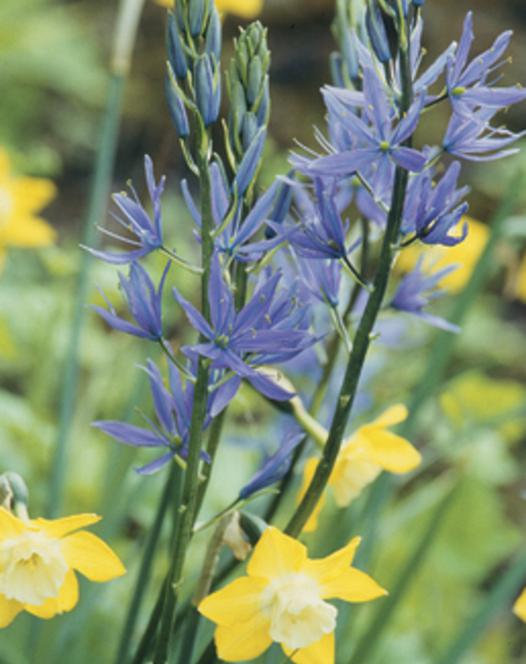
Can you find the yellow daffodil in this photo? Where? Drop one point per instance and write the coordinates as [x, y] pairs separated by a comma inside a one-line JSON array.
[[21, 199], [245, 8], [369, 451], [465, 255], [283, 600], [519, 608], [38, 561]]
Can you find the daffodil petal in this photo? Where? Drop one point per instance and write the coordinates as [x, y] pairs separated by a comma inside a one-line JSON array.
[[10, 526], [66, 525], [92, 557], [9, 608], [321, 652], [237, 602], [66, 600], [27, 231], [326, 569], [276, 554], [519, 608], [352, 585], [244, 641], [393, 415], [393, 453], [32, 194]]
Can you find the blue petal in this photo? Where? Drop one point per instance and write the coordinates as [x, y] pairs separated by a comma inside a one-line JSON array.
[[130, 434], [195, 318], [274, 468], [154, 466]]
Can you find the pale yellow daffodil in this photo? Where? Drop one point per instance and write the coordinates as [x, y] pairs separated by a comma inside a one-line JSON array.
[[21, 199], [464, 255], [369, 451], [283, 599], [246, 9], [38, 561]]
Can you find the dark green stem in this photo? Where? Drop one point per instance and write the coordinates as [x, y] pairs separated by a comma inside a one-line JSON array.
[[362, 339], [146, 642], [189, 500]]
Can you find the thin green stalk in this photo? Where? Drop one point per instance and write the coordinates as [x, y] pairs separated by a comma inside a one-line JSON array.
[[214, 438], [371, 640], [189, 498], [500, 595], [146, 642], [143, 577], [362, 339], [356, 361], [126, 30]]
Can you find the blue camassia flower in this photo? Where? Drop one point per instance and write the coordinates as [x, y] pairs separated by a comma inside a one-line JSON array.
[[416, 290], [321, 232], [233, 231], [374, 140], [321, 279], [474, 139], [468, 87], [144, 303], [173, 410], [271, 328], [147, 229], [432, 211], [275, 467]]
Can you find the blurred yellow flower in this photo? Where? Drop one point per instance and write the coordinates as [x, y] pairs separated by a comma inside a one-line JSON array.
[[465, 255], [38, 560], [371, 449], [21, 199], [520, 283], [244, 8], [519, 608], [283, 600]]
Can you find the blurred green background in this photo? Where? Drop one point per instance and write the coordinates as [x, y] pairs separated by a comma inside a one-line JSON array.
[[54, 78]]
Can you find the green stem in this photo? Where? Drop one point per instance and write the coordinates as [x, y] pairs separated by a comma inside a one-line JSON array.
[[143, 577], [189, 500], [146, 642], [214, 438], [362, 339], [356, 361], [126, 30]]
